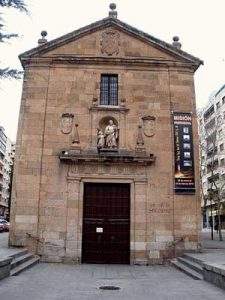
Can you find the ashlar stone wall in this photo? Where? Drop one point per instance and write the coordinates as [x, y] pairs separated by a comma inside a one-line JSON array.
[[48, 194]]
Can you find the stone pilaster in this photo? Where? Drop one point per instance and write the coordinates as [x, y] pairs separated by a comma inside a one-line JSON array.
[[73, 232]]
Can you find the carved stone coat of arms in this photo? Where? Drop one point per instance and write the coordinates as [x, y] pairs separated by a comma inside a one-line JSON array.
[[149, 125], [66, 123], [110, 42]]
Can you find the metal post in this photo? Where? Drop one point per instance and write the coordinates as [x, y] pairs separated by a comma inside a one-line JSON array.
[[211, 219]]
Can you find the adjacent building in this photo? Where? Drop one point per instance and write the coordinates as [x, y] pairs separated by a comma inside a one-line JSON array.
[[3, 140], [106, 167], [7, 153], [212, 148]]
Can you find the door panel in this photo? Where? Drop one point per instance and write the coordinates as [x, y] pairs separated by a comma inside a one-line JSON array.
[[106, 223]]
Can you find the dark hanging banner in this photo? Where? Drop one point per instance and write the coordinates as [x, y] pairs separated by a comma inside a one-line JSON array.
[[184, 179]]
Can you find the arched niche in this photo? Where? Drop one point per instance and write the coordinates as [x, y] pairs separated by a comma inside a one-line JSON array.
[[105, 121]]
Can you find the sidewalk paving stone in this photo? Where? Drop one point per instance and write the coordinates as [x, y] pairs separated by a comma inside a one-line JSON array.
[[73, 282]]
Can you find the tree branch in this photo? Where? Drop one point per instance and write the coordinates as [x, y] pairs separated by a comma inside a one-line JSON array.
[[6, 36], [10, 73], [17, 4]]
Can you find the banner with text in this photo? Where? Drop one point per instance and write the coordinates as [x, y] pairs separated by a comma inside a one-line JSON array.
[[184, 179]]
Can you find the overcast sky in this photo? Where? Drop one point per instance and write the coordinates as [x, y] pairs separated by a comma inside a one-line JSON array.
[[198, 23]]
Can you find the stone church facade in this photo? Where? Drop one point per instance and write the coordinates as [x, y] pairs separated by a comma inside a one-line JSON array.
[[94, 167]]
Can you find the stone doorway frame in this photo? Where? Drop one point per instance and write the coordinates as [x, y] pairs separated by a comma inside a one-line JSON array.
[[129, 184], [75, 195]]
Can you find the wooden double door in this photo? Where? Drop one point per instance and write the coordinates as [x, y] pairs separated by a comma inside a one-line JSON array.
[[106, 223]]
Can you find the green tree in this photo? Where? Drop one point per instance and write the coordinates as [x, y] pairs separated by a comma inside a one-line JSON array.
[[21, 6]]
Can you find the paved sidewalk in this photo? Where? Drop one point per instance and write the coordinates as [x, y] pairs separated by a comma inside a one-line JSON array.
[[207, 243], [82, 282], [211, 256], [213, 250], [5, 251]]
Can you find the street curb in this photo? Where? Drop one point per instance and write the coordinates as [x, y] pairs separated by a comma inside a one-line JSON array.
[[214, 273], [5, 266]]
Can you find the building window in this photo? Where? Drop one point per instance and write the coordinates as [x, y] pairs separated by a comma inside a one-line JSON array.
[[209, 112], [223, 100], [109, 90], [222, 162], [2, 156], [217, 105], [221, 147]]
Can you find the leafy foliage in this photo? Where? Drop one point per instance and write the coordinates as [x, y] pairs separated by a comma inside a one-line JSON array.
[[18, 4], [21, 6], [6, 36], [10, 73]]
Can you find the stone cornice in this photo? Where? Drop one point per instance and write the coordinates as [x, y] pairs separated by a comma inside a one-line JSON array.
[[109, 108], [94, 60], [87, 157]]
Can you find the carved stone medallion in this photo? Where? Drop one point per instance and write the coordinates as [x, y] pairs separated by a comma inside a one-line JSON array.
[[110, 42], [67, 123], [149, 126]]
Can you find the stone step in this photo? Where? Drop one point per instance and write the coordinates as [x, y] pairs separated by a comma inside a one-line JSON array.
[[24, 266], [191, 264], [20, 259], [188, 271], [192, 258], [19, 253]]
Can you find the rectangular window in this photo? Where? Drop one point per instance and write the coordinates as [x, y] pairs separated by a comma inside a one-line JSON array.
[[109, 90], [221, 147]]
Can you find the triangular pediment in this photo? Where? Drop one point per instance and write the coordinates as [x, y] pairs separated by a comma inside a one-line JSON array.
[[113, 38]]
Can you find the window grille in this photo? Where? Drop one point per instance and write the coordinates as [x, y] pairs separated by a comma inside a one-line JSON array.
[[109, 90]]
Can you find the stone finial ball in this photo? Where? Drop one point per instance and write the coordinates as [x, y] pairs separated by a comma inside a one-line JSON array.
[[44, 33], [176, 38], [112, 6]]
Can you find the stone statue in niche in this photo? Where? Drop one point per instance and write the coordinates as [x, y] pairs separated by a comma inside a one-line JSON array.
[[111, 135], [100, 139], [108, 138], [67, 123]]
